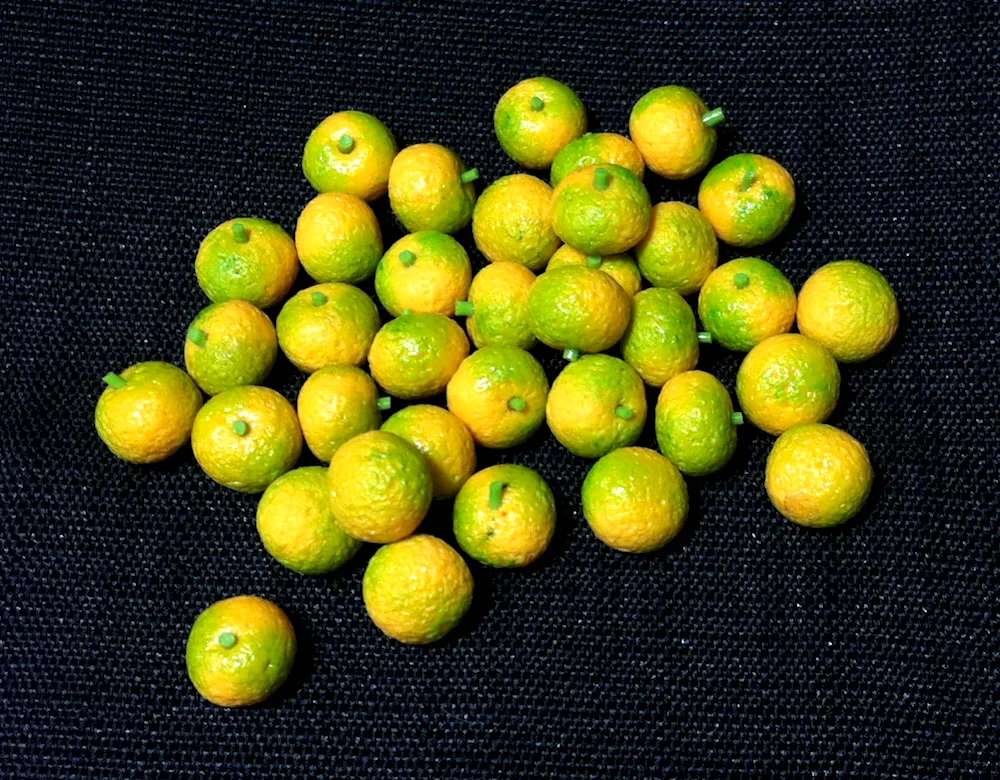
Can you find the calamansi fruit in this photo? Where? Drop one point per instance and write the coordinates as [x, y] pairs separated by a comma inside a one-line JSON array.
[[427, 271], [512, 221], [246, 437], [662, 339], [230, 344], [601, 210], [536, 118], [787, 380], [349, 152], [499, 392], [417, 590], [675, 131], [635, 500], [240, 651], [748, 198], [680, 249], [444, 441], [430, 189], [818, 476], [297, 527], [597, 149], [380, 487], [621, 268], [497, 306], [850, 309], [248, 260], [746, 301], [414, 355], [335, 404], [145, 414], [505, 516], [338, 238], [596, 405]]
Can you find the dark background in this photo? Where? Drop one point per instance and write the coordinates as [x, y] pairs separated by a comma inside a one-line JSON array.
[[750, 645]]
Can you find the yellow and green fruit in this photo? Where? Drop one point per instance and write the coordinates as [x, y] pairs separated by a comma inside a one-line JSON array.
[[230, 344], [680, 249], [537, 118], [443, 439], [496, 311], [621, 268], [601, 210], [748, 198], [430, 189], [423, 272], [512, 221], [414, 355], [661, 340], [675, 131], [597, 149], [338, 238], [336, 404], [350, 152]]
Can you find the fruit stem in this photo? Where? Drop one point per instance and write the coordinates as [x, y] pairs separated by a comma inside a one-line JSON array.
[[240, 233], [705, 337], [496, 494], [737, 418], [748, 179], [594, 261], [624, 412], [470, 175], [318, 298], [464, 309], [406, 312], [197, 335], [406, 257], [516, 404], [537, 104], [240, 428], [345, 144], [713, 117], [571, 354], [384, 403], [602, 179], [741, 281], [111, 379], [227, 639]]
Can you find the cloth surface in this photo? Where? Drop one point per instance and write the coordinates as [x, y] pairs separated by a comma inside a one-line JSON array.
[[748, 646]]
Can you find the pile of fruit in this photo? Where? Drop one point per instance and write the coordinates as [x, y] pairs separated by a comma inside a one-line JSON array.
[[586, 299]]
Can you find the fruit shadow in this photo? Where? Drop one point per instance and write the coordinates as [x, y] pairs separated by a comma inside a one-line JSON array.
[[302, 669]]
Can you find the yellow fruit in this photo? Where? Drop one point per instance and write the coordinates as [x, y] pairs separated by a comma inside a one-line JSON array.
[[675, 131], [423, 272], [536, 118], [679, 250], [336, 404], [230, 344], [430, 189], [443, 440], [512, 221], [497, 308], [597, 149], [338, 238], [414, 355], [350, 152], [748, 198], [621, 268]]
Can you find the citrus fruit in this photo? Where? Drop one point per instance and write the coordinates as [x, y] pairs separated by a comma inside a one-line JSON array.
[[427, 271], [230, 344], [430, 189], [818, 476], [578, 309], [662, 339], [297, 527], [248, 260], [335, 404], [596, 405], [635, 500], [497, 309], [349, 152], [746, 301], [505, 516], [696, 424], [327, 325], [145, 414], [240, 651], [338, 238], [536, 118], [850, 309], [597, 149], [674, 130], [512, 221], [414, 355], [748, 198], [787, 380], [621, 268], [247, 437], [499, 392], [380, 487], [444, 441], [417, 590], [680, 249], [601, 210]]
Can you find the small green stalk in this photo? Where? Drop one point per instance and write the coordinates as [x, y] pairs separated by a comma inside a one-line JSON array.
[[227, 639], [111, 379], [571, 354], [384, 403], [240, 233], [345, 144], [318, 298], [406, 257], [624, 412], [602, 179], [197, 336], [705, 337], [736, 418], [713, 117], [516, 404], [470, 175], [240, 428], [537, 104], [496, 494], [741, 280], [464, 309], [594, 261]]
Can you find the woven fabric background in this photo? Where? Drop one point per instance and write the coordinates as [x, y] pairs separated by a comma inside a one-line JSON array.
[[748, 646]]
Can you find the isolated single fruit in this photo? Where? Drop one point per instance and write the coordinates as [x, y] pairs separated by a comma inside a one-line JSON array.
[[748, 198], [430, 189], [680, 249], [230, 344], [601, 210], [338, 238], [336, 404], [597, 149], [349, 152], [423, 272], [444, 441], [512, 221], [536, 118], [621, 268], [496, 311], [675, 131], [414, 355], [662, 339]]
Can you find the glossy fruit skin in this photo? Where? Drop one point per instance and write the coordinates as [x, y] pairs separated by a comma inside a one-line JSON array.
[[748, 198], [426, 189], [666, 125], [443, 439], [694, 423], [364, 170], [818, 476], [597, 149], [437, 276], [240, 346], [661, 340], [679, 250], [415, 355], [336, 404], [338, 238], [499, 296], [621, 268], [532, 137], [512, 221]]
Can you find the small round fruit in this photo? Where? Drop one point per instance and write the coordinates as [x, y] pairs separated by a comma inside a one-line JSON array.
[[597, 404], [662, 339], [536, 118], [499, 393], [338, 238], [230, 344], [240, 651], [505, 516], [443, 440], [423, 272], [297, 527], [748, 198], [430, 189], [601, 210], [746, 301], [597, 149], [578, 308], [248, 260], [497, 309], [696, 424], [621, 268], [635, 500], [417, 590], [350, 152], [336, 404], [680, 249], [414, 355], [818, 476], [850, 309], [675, 131], [247, 437], [145, 414], [787, 380], [512, 221]]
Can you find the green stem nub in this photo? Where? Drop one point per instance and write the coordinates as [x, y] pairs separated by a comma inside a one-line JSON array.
[[111, 379], [464, 309], [240, 428], [516, 404], [741, 281], [496, 494], [602, 179], [705, 337], [537, 104], [594, 261], [406, 257], [345, 144], [571, 354], [318, 298], [227, 639], [748, 179], [470, 175], [384, 403], [240, 233], [197, 336], [406, 312], [713, 117], [736, 418], [624, 412]]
